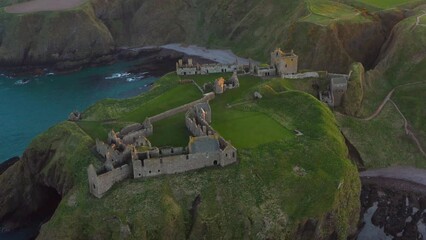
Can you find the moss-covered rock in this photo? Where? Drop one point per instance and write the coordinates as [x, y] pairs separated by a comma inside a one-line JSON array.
[[352, 100]]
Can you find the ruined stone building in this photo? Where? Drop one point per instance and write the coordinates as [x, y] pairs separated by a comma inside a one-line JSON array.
[[220, 85], [284, 62], [338, 87], [189, 68], [136, 158], [265, 71]]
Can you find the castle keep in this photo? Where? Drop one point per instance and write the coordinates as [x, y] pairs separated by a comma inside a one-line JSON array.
[[284, 62], [129, 154]]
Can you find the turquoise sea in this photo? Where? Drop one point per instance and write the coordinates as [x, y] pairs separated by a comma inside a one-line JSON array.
[[31, 104]]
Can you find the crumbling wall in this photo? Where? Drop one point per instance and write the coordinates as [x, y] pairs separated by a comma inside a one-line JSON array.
[[99, 184], [172, 151], [183, 108], [101, 148], [130, 128], [175, 164], [217, 68], [228, 152], [195, 129], [113, 138], [132, 137], [186, 71]]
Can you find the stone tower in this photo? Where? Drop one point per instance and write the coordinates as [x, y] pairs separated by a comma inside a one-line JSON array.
[[284, 62]]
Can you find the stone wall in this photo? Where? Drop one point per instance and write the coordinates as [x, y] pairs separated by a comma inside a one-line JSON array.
[[338, 87], [207, 97], [113, 138], [135, 137], [101, 148], [217, 68], [174, 164], [130, 128], [172, 151], [265, 71], [99, 184], [192, 69], [228, 153], [301, 75], [186, 71]]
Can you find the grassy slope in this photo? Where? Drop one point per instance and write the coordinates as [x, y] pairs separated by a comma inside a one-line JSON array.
[[259, 197], [385, 4], [325, 12], [352, 100], [382, 142]]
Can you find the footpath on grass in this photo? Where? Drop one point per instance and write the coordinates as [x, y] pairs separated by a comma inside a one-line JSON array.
[[407, 127]]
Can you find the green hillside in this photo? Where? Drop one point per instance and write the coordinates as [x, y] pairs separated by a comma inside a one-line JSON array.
[[236, 201], [383, 141]]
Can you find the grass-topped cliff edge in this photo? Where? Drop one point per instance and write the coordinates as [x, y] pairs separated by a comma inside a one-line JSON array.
[[281, 182]]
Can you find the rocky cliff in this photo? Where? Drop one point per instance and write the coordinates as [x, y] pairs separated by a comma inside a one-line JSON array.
[[33, 186], [93, 31]]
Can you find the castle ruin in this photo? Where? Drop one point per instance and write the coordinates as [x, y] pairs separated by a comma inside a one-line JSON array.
[[129, 154], [220, 85], [336, 90], [283, 63], [189, 68]]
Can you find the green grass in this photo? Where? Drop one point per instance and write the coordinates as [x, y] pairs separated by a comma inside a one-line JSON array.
[[352, 100], [324, 12], [170, 132], [176, 97], [385, 4], [411, 100], [210, 78], [248, 129], [382, 142]]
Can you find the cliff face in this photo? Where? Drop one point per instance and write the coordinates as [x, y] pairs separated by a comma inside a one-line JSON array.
[[251, 28], [42, 38], [33, 186]]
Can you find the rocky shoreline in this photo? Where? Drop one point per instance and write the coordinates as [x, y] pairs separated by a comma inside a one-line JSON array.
[[392, 208], [155, 60]]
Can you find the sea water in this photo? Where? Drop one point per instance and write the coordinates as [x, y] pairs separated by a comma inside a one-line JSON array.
[[30, 105]]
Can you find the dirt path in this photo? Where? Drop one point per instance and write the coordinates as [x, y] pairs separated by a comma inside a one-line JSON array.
[[380, 108], [419, 19], [407, 127], [43, 5], [410, 174], [387, 98]]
